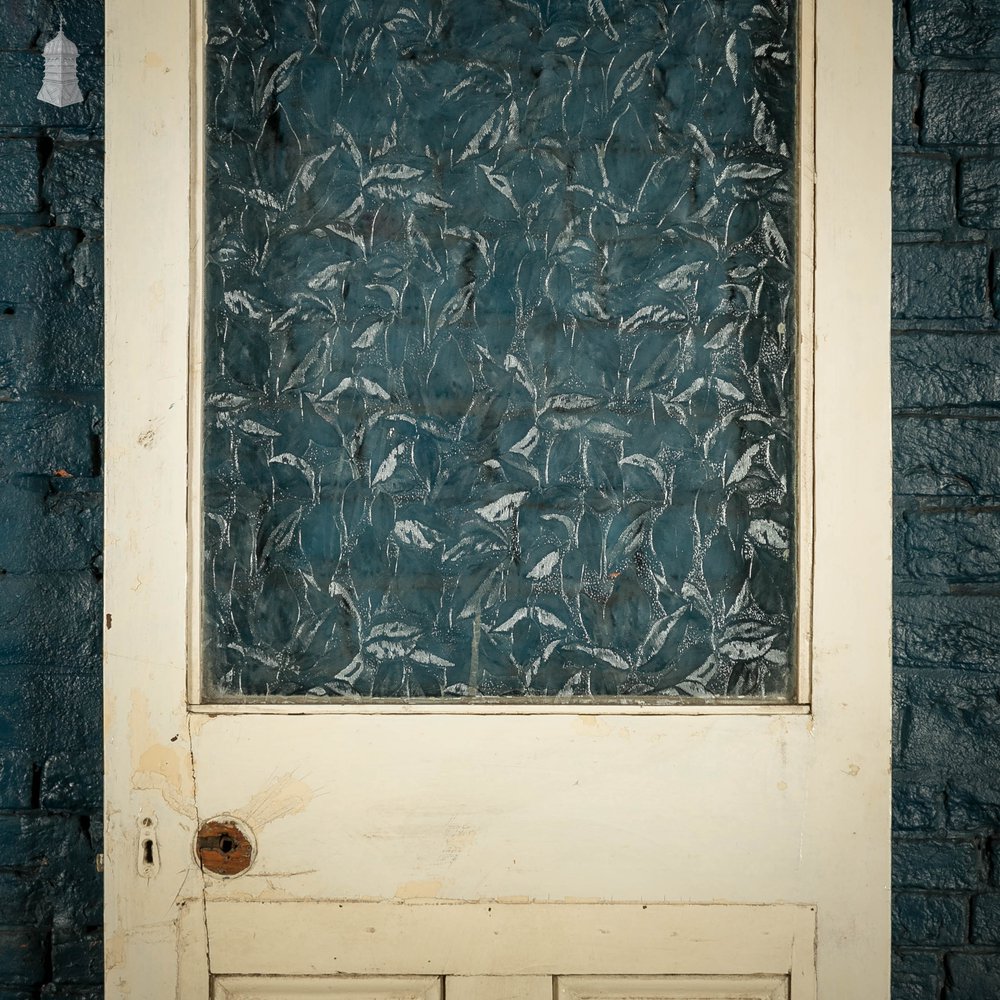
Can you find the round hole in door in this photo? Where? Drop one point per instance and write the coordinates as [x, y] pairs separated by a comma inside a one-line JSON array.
[[224, 847]]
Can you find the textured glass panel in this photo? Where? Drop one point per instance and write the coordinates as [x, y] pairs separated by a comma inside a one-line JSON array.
[[500, 325]]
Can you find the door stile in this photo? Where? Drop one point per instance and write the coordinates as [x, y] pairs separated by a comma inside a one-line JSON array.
[[154, 893], [849, 788]]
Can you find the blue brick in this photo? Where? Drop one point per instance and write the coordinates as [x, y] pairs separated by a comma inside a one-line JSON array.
[[936, 864], [48, 529], [905, 99], [973, 807], [68, 714], [940, 282], [37, 265], [78, 903], [931, 371], [18, 846], [18, 900], [973, 977], [956, 27], [947, 547], [55, 347], [50, 619], [917, 975], [946, 457], [958, 632], [74, 186], [19, 166], [925, 919], [922, 193], [22, 956], [946, 722], [986, 919], [72, 783], [47, 437], [54, 840], [16, 778], [24, 896], [61, 712], [979, 193], [916, 807], [961, 108], [76, 958]]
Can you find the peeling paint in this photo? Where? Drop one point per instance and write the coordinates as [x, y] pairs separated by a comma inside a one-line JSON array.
[[156, 766], [284, 796], [419, 889]]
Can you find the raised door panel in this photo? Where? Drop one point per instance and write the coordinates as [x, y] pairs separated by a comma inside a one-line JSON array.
[[498, 988], [503, 988], [342, 988], [672, 988]]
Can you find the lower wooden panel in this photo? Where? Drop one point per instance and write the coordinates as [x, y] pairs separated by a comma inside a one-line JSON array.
[[525, 940], [672, 988], [498, 988], [501, 988], [340, 988]]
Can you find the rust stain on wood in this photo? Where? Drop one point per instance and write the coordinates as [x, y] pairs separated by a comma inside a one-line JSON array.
[[223, 848]]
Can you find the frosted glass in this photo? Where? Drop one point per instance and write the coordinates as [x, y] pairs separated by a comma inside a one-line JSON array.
[[500, 318]]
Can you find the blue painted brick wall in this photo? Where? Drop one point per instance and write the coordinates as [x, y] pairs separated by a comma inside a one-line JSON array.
[[946, 357], [50, 511], [946, 392]]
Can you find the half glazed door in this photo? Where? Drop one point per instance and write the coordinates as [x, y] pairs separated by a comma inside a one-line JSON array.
[[498, 535]]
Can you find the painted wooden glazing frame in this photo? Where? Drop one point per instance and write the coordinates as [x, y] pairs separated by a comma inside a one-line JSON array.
[[804, 473]]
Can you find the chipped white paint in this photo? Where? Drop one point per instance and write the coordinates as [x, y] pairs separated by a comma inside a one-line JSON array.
[[764, 812]]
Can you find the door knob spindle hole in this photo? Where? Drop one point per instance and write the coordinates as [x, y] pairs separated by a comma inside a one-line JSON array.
[[224, 847]]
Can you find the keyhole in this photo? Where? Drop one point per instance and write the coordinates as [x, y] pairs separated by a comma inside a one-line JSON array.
[[147, 852], [226, 844]]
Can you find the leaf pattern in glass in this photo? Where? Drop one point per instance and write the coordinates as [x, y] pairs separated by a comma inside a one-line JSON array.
[[500, 315]]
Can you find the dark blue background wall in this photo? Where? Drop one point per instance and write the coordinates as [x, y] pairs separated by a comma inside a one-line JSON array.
[[50, 512], [946, 349], [946, 385]]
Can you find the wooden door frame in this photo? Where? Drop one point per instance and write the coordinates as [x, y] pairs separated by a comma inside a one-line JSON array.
[[155, 895]]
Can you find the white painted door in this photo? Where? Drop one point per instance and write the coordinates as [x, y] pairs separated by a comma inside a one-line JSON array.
[[670, 850]]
